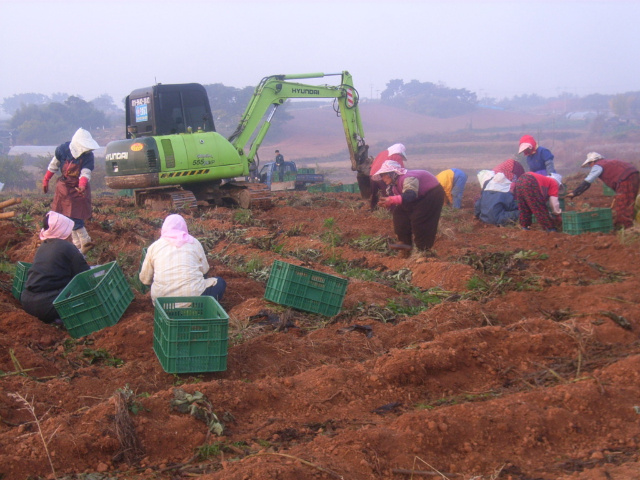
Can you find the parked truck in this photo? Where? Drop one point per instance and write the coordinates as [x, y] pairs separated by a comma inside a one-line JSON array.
[[172, 156], [292, 178]]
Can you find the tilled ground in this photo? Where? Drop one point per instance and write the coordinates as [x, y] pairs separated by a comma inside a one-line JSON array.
[[510, 354]]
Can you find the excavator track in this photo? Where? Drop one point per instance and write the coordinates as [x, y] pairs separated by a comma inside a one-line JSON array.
[[248, 195], [261, 196], [165, 198]]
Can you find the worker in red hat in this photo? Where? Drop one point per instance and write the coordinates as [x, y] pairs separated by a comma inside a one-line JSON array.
[[539, 159]]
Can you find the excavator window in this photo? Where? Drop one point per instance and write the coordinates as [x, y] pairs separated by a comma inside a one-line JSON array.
[[169, 119], [178, 110]]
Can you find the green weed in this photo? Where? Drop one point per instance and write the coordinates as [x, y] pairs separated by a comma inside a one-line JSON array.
[[332, 236], [242, 217], [294, 231], [101, 356], [371, 243], [209, 450]]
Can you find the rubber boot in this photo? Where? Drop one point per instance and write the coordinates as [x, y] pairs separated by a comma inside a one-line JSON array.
[[76, 239], [85, 240]]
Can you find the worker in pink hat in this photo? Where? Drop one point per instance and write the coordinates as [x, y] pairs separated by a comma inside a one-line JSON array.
[[539, 159], [415, 198], [55, 264], [396, 152]]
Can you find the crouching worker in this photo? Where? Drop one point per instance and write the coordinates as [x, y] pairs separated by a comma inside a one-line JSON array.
[[416, 198], [55, 264], [496, 204], [175, 265]]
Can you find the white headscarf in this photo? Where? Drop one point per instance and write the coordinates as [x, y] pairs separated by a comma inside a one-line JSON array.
[[389, 166], [397, 148], [499, 183], [82, 142], [59, 227]]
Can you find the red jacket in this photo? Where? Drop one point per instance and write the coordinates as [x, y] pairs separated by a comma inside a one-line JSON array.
[[548, 186]]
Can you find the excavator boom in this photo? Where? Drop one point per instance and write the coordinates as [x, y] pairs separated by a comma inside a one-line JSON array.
[[273, 91]]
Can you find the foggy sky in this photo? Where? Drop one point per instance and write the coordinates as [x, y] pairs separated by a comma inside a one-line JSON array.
[[493, 48]]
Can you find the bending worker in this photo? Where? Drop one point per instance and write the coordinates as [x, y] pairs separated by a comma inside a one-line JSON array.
[[415, 198], [453, 182], [620, 176], [532, 192], [72, 197]]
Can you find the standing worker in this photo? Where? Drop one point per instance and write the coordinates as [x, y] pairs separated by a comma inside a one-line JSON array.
[[72, 196], [453, 182], [55, 264], [620, 176], [416, 198], [539, 159], [532, 191], [280, 165], [396, 152]]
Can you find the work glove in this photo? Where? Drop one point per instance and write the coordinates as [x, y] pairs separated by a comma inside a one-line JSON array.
[[391, 201], [45, 181], [82, 185], [580, 190]]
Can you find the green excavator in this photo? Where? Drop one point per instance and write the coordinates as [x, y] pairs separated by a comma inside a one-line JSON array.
[[173, 157]]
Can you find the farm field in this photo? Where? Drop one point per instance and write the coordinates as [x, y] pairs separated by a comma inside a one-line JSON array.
[[509, 355]]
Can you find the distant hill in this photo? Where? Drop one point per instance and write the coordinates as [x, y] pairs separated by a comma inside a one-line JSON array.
[[317, 132]]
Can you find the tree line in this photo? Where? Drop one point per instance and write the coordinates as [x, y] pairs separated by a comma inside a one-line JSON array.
[[38, 119]]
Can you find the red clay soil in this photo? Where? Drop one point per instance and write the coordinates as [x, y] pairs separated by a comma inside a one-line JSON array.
[[509, 355]]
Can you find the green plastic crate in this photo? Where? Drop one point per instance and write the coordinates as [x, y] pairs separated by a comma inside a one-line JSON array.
[[20, 278], [608, 191], [190, 334], [93, 300], [598, 220], [318, 188], [305, 289]]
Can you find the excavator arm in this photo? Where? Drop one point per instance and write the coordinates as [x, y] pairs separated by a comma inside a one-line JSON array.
[[273, 91]]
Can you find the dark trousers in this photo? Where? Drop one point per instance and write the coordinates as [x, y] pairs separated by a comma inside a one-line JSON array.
[[40, 304], [216, 291], [419, 220]]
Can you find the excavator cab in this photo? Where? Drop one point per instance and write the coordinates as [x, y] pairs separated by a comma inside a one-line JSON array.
[[168, 110]]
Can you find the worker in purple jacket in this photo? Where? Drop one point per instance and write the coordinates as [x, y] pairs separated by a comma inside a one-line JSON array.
[[415, 198]]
